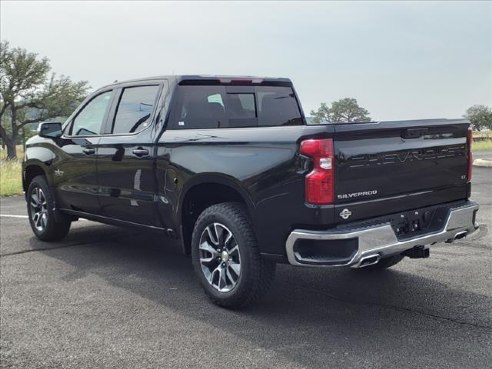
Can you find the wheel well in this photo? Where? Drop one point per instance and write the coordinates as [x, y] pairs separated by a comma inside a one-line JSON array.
[[197, 199], [31, 172]]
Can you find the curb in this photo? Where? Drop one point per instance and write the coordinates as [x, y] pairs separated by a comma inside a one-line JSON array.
[[487, 163]]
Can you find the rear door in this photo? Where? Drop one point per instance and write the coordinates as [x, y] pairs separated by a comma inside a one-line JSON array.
[[126, 155], [387, 167]]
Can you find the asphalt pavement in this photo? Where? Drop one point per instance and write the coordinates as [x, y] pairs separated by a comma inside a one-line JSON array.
[[108, 297]]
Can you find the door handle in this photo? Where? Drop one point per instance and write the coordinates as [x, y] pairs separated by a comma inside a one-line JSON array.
[[140, 152], [89, 151]]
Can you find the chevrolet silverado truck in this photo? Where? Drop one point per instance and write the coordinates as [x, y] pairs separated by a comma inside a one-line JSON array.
[[229, 167]]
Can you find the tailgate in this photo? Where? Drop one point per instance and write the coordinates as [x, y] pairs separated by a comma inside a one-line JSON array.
[[389, 167]]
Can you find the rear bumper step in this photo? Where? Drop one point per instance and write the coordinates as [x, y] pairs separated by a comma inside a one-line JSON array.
[[361, 247]]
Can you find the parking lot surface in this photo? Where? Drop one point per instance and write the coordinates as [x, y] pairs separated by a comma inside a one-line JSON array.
[[108, 297]]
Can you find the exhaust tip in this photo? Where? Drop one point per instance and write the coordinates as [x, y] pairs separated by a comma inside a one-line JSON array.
[[460, 235], [369, 260]]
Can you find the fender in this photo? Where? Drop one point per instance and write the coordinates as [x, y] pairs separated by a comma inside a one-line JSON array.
[[35, 163], [215, 178], [39, 155]]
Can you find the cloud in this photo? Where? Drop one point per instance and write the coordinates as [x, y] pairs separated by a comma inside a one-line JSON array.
[[400, 60]]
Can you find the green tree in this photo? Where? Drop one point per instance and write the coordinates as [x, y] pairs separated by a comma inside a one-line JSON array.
[[480, 116], [30, 94], [343, 110]]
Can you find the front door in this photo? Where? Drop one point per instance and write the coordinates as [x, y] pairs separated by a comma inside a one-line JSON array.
[[75, 175]]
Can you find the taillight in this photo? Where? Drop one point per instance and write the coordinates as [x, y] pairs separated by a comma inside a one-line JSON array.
[[320, 182], [469, 154]]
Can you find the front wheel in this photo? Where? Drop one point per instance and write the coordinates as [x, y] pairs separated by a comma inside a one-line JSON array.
[[40, 207], [226, 257]]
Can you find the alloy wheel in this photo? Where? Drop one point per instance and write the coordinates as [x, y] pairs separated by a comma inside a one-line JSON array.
[[39, 209], [220, 259]]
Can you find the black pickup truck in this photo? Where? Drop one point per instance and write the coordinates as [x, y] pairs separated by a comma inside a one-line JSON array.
[[229, 167]]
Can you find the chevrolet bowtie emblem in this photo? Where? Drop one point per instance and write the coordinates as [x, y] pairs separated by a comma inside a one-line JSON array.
[[346, 213], [58, 172]]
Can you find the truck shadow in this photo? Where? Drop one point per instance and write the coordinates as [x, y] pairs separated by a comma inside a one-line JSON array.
[[305, 310]]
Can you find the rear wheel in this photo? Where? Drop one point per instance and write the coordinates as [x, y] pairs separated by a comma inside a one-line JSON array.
[[385, 263], [226, 257], [40, 207]]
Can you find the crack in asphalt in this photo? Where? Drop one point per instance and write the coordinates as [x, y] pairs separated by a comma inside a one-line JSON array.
[[46, 248], [85, 243], [400, 308]]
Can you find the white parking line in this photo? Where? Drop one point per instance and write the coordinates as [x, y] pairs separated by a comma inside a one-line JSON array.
[[14, 216], [23, 216]]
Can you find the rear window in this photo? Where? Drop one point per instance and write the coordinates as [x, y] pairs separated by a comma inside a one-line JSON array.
[[234, 106]]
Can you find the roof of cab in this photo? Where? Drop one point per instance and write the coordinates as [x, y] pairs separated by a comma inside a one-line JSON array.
[[215, 79]]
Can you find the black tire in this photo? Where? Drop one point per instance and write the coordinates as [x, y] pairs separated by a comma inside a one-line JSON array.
[[384, 263], [46, 226], [256, 274]]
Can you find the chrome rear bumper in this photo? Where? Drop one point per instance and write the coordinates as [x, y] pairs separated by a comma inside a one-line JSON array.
[[380, 241]]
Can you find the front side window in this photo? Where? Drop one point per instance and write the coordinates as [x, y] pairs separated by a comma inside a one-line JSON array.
[[135, 109], [217, 106], [89, 120]]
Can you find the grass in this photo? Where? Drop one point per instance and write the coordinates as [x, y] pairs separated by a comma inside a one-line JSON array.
[[10, 177], [482, 146], [10, 174]]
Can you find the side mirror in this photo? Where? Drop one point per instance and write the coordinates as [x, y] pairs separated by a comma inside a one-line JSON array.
[[50, 129]]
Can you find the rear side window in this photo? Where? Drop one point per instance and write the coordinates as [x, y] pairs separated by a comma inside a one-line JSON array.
[[134, 109], [239, 106]]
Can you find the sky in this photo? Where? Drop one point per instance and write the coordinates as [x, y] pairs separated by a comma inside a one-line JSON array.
[[400, 60]]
